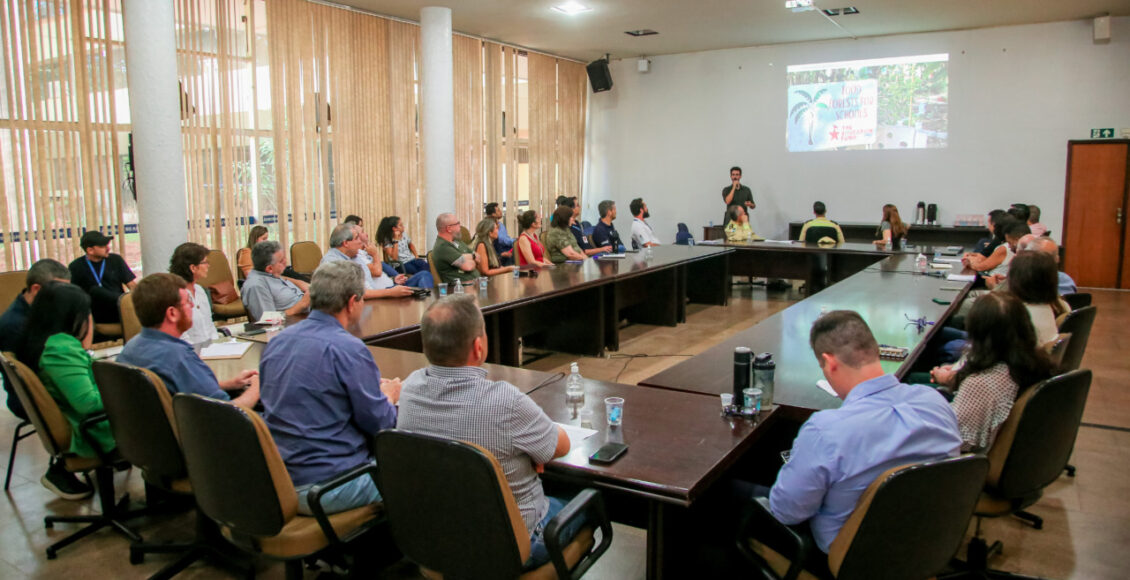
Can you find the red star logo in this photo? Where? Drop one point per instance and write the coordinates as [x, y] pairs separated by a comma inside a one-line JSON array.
[[835, 134]]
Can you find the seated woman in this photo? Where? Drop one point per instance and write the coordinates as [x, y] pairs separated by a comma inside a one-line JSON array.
[[891, 229], [737, 225], [190, 261], [398, 247], [997, 255], [59, 330], [486, 232], [1002, 360], [530, 250], [560, 244], [243, 256], [1033, 278]]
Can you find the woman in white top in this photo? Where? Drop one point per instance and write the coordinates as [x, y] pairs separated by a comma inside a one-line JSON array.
[[190, 261], [1002, 361], [1033, 278]]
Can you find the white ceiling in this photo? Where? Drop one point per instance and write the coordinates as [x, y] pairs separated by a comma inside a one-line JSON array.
[[696, 25]]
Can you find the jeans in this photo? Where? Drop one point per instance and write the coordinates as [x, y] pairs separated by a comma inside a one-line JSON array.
[[421, 279], [361, 491], [539, 553], [413, 266]]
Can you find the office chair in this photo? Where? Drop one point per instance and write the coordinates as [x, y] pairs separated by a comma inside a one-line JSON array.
[[1077, 300], [305, 257], [220, 278], [23, 430]]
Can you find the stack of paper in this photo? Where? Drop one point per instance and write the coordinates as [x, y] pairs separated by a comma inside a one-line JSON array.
[[222, 350]]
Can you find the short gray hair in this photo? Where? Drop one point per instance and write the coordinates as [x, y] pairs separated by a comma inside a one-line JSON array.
[[343, 233], [443, 219], [604, 207], [334, 283], [843, 333], [449, 327], [46, 271], [263, 255]]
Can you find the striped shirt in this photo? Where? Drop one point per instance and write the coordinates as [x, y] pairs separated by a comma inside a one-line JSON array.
[[461, 403]]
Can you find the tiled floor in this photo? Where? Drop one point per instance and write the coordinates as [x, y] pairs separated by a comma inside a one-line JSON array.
[[1087, 518]]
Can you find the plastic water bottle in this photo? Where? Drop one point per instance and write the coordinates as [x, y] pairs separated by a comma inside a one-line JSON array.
[[575, 385], [920, 263], [458, 287]]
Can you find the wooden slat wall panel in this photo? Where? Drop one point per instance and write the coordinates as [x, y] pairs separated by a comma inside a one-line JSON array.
[[571, 94], [407, 183], [543, 134], [468, 93]]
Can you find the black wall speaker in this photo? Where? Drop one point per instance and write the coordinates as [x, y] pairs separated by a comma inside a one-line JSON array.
[[599, 76]]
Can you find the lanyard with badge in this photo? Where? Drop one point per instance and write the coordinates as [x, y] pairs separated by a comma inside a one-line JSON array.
[[101, 269]]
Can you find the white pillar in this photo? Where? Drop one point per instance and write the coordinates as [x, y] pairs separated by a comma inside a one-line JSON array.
[[154, 106], [438, 114]]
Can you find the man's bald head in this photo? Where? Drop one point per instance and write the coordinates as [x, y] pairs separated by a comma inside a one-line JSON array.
[[1046, 245]]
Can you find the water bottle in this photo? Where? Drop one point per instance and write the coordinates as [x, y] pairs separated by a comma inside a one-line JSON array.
[[458, 287], [764, 370], [575, 386], [920, 263], [742, 358]]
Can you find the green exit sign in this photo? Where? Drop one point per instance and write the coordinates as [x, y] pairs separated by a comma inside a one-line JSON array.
[[1102, 133]]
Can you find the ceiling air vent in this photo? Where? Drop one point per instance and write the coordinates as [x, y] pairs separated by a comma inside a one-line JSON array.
[[641, 32]]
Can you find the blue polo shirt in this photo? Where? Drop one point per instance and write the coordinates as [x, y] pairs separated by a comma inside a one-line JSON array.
[[175, 361]]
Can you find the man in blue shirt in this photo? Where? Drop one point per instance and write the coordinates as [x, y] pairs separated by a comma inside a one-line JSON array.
[[604, 233], [324, 397], [504, 245], [881, 424], [163, 303]]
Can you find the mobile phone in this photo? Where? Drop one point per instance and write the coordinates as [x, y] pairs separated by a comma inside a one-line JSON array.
[[254, 332], [608, 453]]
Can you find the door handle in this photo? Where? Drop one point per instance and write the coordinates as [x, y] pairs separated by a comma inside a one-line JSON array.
[[1118, 216]]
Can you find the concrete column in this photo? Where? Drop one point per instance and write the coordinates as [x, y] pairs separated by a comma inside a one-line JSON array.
[[438, 114], [154, 106]]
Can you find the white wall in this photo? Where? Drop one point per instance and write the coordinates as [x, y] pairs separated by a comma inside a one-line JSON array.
[[1017, 95]]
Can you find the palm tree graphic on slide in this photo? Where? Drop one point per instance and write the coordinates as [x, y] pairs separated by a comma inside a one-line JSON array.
[[808, 109]]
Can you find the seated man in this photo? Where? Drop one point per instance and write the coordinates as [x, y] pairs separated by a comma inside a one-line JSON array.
[[642, 236], [103, 275], [452, 259], [604, 233], [584, 242], [1038, 229], [324, 397], [453, 398], [345, 246], [820, 227], [163, 303], [1041, 243], [265, 289], [882, 423], [12, 325]]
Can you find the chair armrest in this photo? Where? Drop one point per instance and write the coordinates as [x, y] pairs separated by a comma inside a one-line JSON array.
[[84, 428], [315, 493], [758, 518], [587, 503]]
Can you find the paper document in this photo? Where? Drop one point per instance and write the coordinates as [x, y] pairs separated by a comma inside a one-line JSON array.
[[768, 241], [104, 353], [577, 434], [950, 260], [219, 350], [941, 266], [962, 277], [709, 242], [827, 388], [612, 256]]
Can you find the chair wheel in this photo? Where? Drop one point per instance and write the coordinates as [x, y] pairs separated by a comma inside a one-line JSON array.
[[51, 553], [136, 556]]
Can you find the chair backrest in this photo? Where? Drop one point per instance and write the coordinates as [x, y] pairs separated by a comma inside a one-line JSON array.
[[1077, 300], [235, 470], [910, 521], [1056, 348], [42, 410], [435, 274], [140, 409], [470, 529], [131, 326], [219, 269], [1078, 324], [814, 233], [11, 285], [305, 257], [465, 234], [1035, 442]]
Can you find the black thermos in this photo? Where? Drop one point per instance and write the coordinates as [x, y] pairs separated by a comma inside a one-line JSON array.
[[743, 356]]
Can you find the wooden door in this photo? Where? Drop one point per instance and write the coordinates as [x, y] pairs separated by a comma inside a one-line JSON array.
[[1095, 213]]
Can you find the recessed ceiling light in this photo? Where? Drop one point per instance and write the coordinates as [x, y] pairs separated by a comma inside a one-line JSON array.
[[572, 8], [832, 12], [641, 32], [851, 10]]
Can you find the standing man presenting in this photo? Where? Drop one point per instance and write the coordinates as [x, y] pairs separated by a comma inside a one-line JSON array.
[[736, 193]]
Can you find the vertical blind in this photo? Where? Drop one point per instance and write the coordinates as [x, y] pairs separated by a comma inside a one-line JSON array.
[[294, 114]]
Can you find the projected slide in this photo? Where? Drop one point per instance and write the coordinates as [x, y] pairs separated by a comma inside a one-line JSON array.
[[885, 103]]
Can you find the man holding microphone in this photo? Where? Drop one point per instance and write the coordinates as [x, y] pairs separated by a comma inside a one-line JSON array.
[[736, 193]]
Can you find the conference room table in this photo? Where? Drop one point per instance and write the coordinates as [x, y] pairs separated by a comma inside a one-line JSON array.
[[574, 308], [819, 266]]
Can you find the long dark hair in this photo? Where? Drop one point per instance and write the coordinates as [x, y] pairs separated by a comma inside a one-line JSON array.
[[1000, 220], [384, 230], [891, 216], [59, 307], [1033, 278], [254, 235], [1000, 330]]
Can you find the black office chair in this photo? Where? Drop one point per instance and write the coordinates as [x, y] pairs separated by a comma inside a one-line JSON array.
[[1078, 324], [1030, 451], [141, 416], [1077, 300], [816, 233], [55, 434], [473, 530], [240, 481], [907, 524]]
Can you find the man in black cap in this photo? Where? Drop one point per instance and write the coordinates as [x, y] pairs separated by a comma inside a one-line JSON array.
[[103, 275]]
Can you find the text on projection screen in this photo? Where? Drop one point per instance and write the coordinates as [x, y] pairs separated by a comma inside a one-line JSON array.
[[883, 103]]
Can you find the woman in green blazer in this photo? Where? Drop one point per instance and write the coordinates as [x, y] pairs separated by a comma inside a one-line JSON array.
[[59, 330]]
